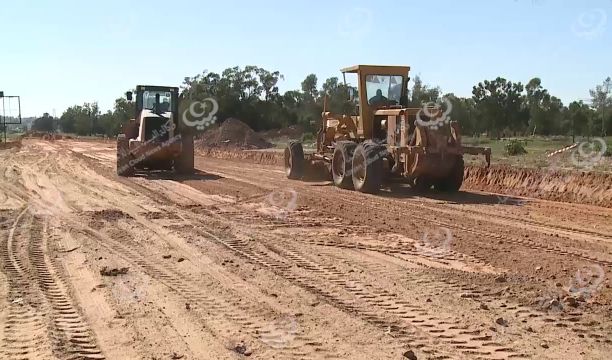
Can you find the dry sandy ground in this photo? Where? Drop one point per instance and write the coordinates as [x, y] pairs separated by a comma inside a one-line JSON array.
[[238, 262]]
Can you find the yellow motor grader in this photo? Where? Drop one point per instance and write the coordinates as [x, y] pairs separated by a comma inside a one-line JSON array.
[[155, 139], [383, 137]]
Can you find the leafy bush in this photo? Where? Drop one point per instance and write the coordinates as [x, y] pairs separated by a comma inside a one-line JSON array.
[[515, 147]]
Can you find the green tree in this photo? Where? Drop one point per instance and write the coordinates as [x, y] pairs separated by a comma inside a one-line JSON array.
[[463, 112], [499, 106], [602, 102], [421, 93], [579, 115]]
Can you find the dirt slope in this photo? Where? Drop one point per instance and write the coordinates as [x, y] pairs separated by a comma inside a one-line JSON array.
[[238, 262]]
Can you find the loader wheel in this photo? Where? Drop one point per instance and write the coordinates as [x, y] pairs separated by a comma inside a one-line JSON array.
[[422, 183], [367, 167], [294, 160], [184, 163], [453, 181], [164, 165], [342, 164], [124, 168]]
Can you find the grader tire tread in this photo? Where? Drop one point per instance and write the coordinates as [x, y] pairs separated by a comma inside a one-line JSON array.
[[294, 160], [367, 167], [452, 183], [342, 164]]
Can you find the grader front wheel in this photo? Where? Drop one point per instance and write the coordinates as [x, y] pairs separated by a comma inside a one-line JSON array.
[[452, 183]]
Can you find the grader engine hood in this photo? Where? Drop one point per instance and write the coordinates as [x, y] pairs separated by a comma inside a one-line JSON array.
[[156, 127]]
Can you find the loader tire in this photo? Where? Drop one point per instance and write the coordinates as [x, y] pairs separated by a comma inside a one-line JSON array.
[[422, 184], [342, 163], [452, 183], [367, 167], [184, 163], [294, 160], [124, 168]]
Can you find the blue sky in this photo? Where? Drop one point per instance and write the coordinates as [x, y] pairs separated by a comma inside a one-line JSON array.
[[59, 53]]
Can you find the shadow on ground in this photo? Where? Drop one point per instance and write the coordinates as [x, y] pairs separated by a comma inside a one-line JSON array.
[[171, 175]]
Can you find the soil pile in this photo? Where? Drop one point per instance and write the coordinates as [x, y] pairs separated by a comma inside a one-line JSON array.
[[232, 133]]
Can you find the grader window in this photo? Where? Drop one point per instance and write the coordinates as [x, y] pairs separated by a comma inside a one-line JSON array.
[[384, 90], [149, 101]]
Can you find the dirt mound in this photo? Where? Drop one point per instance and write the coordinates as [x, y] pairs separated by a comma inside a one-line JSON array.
[[232, 133], [10, 144]]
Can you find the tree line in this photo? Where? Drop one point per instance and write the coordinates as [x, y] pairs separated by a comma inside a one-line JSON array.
[[497, 107]]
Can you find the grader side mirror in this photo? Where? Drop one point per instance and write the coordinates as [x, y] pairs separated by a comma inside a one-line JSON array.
[[129, 95]]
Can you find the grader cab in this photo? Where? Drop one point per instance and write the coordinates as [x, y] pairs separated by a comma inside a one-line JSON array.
[[383, 137]]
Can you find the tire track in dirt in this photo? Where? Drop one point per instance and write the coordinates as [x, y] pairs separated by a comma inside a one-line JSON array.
[[25, 331], [266, 255], [374, 205], [42, 320], [70, 332], [468, 290], [265, 260], [213, 310], [180, 283], [409, 323]]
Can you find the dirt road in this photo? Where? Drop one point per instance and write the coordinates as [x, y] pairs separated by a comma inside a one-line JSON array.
[[238, 262]]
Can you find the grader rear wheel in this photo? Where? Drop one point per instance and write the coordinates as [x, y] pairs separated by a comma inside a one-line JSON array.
[[367, 167], [342, 162], [294, 160]]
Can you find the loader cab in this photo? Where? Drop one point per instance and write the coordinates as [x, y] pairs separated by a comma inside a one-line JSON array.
[[378, 88], [156, 112]]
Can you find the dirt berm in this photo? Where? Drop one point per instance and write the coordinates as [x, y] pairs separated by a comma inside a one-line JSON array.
[[566, 186]]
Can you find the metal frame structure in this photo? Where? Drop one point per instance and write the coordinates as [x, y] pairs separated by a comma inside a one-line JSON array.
[[4, 122]]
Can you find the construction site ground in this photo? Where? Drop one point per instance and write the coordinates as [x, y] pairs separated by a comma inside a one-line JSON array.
[[236, 261]]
